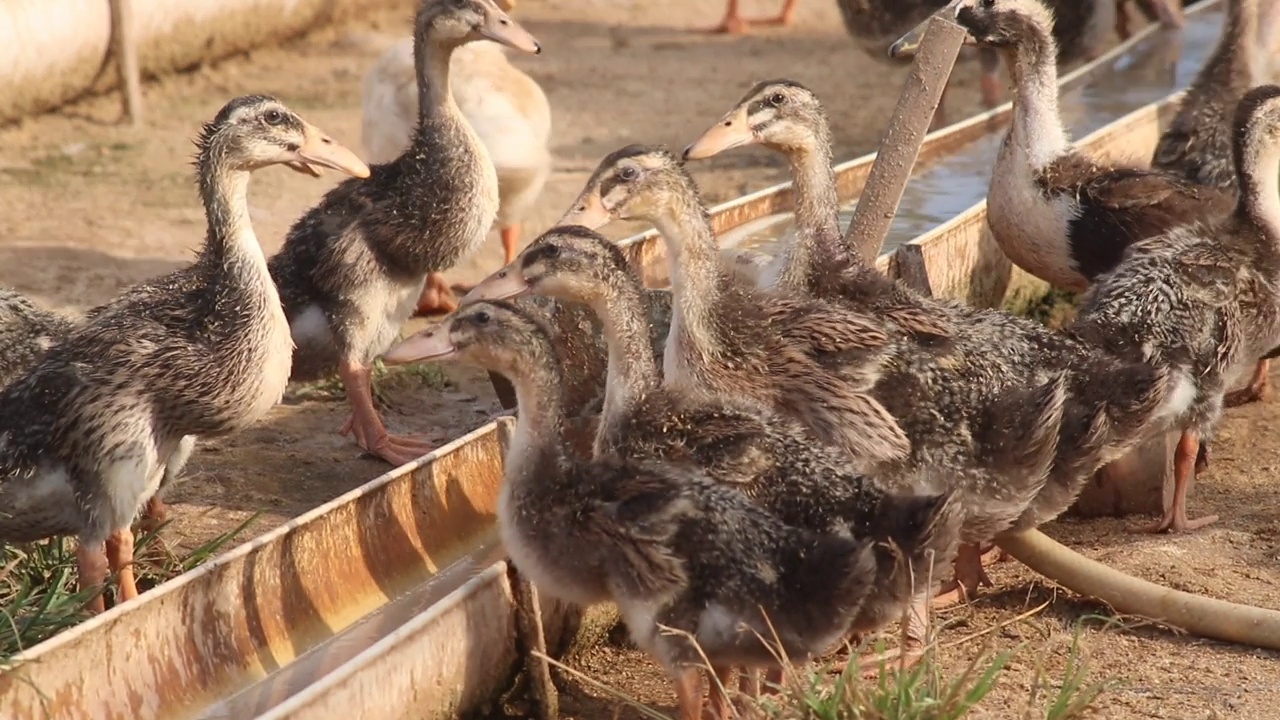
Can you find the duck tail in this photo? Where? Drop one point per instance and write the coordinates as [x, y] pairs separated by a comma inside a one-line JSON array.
[[1137, 394], [1026, 426]]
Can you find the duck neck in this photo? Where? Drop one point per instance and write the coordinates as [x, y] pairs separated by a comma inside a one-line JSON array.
[[230, 244], [1234, 55], [539, 416], [817, 208], [632, 371], [1037, 125], [695, 277], [1259, 165], [435, 99]]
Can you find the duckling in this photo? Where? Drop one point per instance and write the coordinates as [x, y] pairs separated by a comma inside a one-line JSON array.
[[352, 269], [1058, 213], [1101, 419], [27, 331], [810, 360], [1204, 298], [1197, 143], [202, 351], [734, 24], [671, 547], [736, 442], [505, 107]]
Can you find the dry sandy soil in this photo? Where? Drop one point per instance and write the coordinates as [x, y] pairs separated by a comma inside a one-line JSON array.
[[88, 207]]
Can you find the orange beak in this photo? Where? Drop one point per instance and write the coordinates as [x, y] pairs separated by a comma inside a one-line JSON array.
[[426, 345], [505, 283], [321, 151], [589, 211], [731, 132]]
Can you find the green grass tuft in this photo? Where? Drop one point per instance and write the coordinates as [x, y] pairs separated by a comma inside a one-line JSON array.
[[38, 593]]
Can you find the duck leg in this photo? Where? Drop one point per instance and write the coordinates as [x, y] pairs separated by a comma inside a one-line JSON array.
[[436, 298], [1255, 391], [154, 514], [992, 91], [91, 569], [1122, 20], [1168, 12], [510, 242], [733, 22], [719, 695], [119, 550], [784, 17], [688, 694], [970, 575], [366, 425], [1184, 461]]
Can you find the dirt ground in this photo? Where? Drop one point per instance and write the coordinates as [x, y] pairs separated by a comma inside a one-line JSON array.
[[88, 207]]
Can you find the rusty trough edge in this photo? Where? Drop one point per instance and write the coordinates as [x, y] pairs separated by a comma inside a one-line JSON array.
[[220, 627], [451, 658]]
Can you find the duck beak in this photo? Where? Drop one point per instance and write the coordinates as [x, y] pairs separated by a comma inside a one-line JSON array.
[[430, 344], [500, 28], [505, 283], [906, 47], [321, 151], [732, 131], [589, 211]]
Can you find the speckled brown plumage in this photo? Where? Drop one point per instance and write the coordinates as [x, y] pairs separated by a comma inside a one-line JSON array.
[[985, 409], [26, 332], [668, 545], [1203, 300], [352, 268], [1119, 206], [202, 351], [738, 443], [948, 391], [1057, 213], [1197, 143]]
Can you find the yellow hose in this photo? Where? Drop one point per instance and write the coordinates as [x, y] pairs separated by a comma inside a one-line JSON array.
[[1202, 616]]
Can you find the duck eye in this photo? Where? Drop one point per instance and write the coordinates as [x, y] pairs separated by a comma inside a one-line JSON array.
[[777, 99], [627, 173], [273, 117], [552, 251], [986, 4], [481, 318]]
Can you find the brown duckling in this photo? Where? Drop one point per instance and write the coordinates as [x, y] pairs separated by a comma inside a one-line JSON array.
[[1197, 144], [202, 351], [352, 269], [810, 360], [668, 545], [27, 331], [737, 442], [1059, 213], [1101, 419], [1202, 299]]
